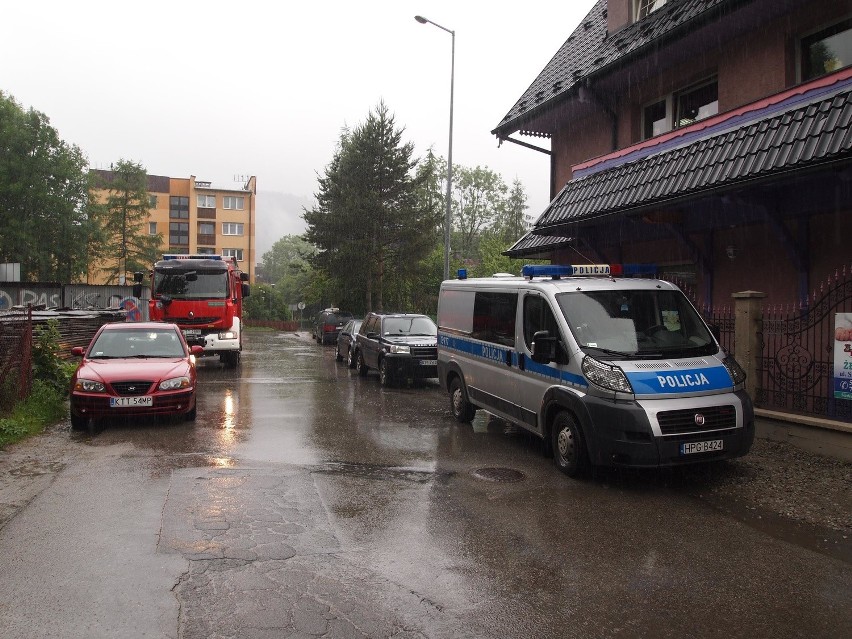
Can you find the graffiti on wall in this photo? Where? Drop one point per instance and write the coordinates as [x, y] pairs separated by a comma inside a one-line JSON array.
[[23, 296], [75, 296]]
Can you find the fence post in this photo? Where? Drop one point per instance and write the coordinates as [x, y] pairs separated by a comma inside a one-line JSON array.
[[26, 373], [748, 324]]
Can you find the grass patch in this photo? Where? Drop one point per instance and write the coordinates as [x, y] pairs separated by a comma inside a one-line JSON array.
[[44, 406]]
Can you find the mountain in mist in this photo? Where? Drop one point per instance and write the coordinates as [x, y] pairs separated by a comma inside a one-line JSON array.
[[278, 214]]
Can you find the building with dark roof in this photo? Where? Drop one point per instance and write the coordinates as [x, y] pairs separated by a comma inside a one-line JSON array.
[[711, 137]]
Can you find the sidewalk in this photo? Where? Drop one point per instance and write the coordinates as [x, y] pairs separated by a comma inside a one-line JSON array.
[[822, 436]]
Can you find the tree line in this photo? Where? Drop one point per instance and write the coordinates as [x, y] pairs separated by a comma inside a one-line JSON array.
[[52, 223], [374, 239]]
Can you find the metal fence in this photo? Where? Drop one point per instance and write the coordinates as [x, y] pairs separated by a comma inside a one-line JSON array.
[[16, 339], [76, 328], [796, 369]]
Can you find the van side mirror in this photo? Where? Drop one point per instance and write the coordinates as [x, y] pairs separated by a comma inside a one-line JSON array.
[[138, 277], [716, 332], [543, 347], [244, 276], [137, 291], [246, 290]]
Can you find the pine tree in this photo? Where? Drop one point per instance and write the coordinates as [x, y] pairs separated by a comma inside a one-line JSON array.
[[126, 246], [370, 224]]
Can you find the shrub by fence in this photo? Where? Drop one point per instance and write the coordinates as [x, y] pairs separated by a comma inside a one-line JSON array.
[[76, 328]]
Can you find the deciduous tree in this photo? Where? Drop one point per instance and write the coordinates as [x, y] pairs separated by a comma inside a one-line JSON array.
[[43, 197]]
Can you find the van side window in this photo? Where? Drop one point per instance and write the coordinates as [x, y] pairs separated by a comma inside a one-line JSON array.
[[455, 311], [494, 317], [538, 317]]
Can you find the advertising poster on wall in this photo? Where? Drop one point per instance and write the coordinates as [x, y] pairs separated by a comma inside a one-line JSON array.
[[843, 356]]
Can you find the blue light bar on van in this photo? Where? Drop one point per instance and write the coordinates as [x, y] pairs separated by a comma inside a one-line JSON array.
[[462, 273], [587, 270], [564, 270]]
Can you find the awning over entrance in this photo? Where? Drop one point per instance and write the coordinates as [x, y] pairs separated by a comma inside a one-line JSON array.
[[800, 131]]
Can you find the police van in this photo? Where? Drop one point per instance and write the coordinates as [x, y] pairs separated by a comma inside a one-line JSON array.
[[606, 367]]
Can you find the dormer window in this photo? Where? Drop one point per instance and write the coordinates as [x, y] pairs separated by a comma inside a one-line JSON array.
[[644, 8]]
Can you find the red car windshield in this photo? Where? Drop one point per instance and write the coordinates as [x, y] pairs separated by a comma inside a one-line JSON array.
[[130, 342]]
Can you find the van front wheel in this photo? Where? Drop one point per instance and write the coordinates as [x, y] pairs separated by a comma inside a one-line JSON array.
[[569, 448], [462, 409]]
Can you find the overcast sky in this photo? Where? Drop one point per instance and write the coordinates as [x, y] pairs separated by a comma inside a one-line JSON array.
[[220, 90]]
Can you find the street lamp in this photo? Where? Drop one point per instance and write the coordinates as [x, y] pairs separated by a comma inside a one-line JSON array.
[[448, 218]]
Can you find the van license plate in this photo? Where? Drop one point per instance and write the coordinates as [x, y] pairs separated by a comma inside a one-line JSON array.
[[711, 446], [123, 402], [428, 362], [189, 332]]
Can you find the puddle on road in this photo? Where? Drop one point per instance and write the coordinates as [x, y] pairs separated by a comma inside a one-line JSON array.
[[384, 473], [832, 543]]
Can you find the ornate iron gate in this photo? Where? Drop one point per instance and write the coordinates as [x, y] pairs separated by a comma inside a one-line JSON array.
[[796, 369]]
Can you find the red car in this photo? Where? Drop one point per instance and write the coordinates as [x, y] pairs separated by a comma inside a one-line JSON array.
[[134, 369]]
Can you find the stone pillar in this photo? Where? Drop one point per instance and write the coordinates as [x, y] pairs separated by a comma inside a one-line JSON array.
[[748, 323]]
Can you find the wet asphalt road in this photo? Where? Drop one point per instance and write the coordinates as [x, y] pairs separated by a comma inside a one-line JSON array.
[[309, 502]]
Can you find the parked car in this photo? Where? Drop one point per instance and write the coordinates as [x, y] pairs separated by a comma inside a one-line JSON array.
[[401, 346], [327, 324], [134, 369], [346, 342]]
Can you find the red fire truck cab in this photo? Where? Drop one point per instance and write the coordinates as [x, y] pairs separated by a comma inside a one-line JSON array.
[[203, 294]]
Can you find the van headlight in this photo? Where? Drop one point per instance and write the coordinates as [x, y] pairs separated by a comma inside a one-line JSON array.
[[605, 375], [738, 375], [228, 335], [401, 349]]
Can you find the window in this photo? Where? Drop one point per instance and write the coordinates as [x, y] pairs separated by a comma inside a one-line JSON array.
[[206, 201], [494, 317], [644, 8], [232, 228], [152, 201], [696, 104], [206, 228], [178, 207], [827, 51], [233, 252], [656, 121], [179, 233], [233, 202], [680, 109], [538, 317], [152, 228], [179, 250], [206, 250]]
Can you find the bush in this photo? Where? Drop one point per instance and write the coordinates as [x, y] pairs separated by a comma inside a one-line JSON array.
[[47, 365], [46, 402]]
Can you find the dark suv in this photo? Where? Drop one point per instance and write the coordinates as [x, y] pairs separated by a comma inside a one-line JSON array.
[[328, 323], [401, 346]]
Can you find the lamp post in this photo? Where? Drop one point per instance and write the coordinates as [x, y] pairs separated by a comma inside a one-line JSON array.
[[448, 217]]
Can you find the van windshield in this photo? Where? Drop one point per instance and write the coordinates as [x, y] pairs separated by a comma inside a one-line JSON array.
[[636, 323]]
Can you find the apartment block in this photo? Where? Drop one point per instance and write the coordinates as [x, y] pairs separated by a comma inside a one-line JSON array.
[[196, 216]]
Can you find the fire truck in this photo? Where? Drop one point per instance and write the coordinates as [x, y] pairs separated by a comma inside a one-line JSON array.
[[203, 294]]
